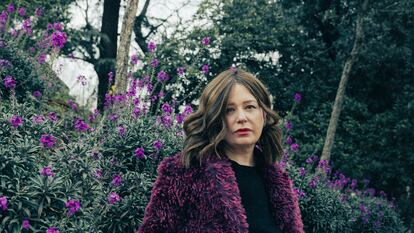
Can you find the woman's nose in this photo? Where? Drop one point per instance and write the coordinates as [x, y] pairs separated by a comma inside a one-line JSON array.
[[241, 116]]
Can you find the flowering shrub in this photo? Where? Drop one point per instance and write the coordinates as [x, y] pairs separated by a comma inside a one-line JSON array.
[[333, 202], [64, 171], [25, 70]]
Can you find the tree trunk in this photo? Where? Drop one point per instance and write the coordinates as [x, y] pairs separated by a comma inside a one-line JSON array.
[[121, 81], [107, 47], [333, 122]]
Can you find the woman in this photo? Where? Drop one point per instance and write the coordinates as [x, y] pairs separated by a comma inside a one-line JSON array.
[[226, 178]]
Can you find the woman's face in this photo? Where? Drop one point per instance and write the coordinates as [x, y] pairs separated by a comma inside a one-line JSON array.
[[244, 118]]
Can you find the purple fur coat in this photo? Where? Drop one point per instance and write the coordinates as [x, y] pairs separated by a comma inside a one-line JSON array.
[[207, 199]]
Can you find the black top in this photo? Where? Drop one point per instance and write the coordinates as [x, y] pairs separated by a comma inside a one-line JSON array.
[[254, 199]]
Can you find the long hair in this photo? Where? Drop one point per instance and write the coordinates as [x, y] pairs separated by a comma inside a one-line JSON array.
[[205, 129]]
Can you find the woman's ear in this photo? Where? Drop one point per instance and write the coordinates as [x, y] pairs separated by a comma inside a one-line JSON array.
[[264, 118]]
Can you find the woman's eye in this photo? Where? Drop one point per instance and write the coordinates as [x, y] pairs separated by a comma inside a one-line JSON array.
[[251, 106], [229, 110]]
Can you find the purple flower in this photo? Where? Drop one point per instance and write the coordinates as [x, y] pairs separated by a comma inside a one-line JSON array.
[[121, 130], [72, 104], [154, 62], [181, 71], [289, 140], [5, 64], [166, 120], [80, 125], [377, 224], [297, 97], [10, 8], [299, 193], [47, 140], [314, 182], [161, 94], [179, 118], [59, 39], [288, 125], [152, 46], [294, 147], [136, 101], [187, 110], [134, 59], [113, 117], [157, 144], [47, 171], [110, 76], [204, 69], [27, 26], [52, 230], [26, 224], [302, 171], [22, 11], [311, 159], [73, 206], [166, 108], [139, 152], [206, 41], [38, 119], [52, 116], [136, 112], [362, 208], [9, 82], [37, 94], [3, 203], [117, 180], [113, 198], [16, 121], [98, 173], [162, 76], [58, 26], [39, 12]]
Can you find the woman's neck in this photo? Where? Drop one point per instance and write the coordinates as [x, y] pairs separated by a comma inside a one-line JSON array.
[[243, 156]]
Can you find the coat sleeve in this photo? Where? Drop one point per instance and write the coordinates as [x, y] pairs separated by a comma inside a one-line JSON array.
[[162, 212]]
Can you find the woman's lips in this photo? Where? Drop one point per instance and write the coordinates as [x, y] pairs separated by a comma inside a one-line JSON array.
[[242, 132]]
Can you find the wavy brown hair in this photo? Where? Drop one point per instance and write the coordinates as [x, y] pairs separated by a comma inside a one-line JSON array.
[[205, 129]]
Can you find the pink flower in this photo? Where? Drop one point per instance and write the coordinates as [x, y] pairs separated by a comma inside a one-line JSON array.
[[10, 8], [206, 41], [22, 11], [134, 59], [139, 153], [294, 147], [26, 224], [3, 203], [289, 140], [9, 82], [117, 180], [47, 171], [16, 121], [47, 140], [59, 39], [298, 97], [181, 71], [113, 198], [152, 46], [52, 230], [204, 69], [73, 206]]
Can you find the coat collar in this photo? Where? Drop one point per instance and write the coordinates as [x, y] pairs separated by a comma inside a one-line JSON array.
[[278, 187]]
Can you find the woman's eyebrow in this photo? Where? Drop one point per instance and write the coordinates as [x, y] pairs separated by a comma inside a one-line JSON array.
[[244, 102]]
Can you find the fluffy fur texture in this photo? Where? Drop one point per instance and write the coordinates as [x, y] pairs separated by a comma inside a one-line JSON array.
[[207, 199]]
